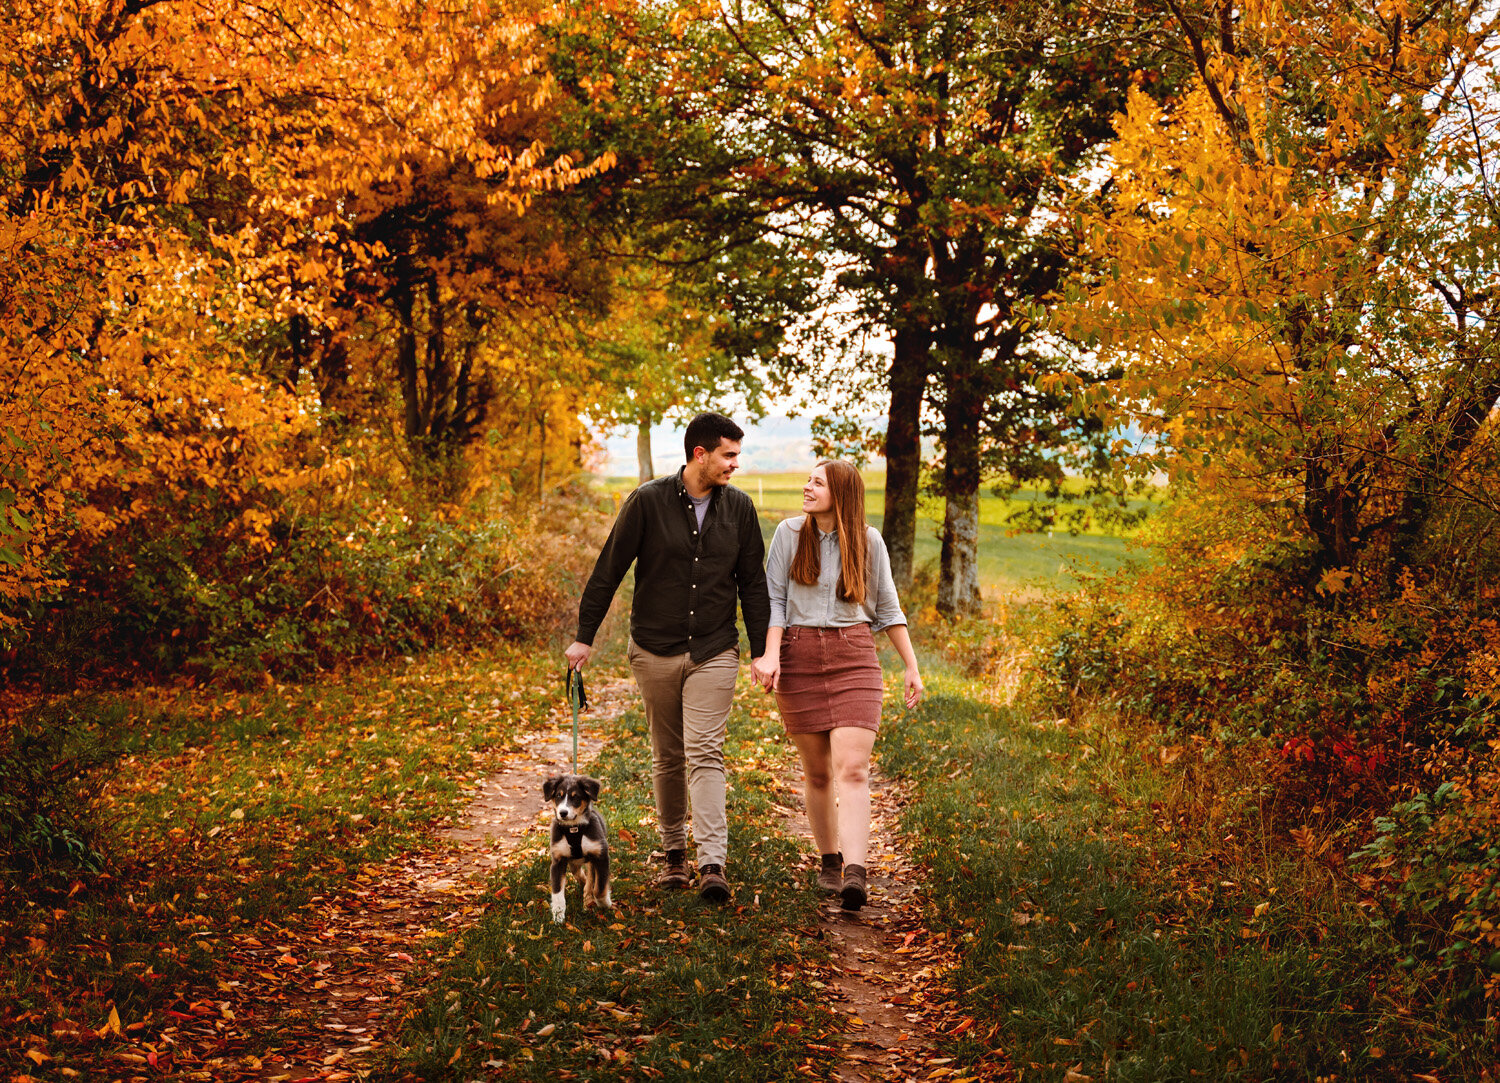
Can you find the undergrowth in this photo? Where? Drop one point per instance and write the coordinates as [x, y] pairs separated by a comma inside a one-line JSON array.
[[1134, 908], [324, 585]]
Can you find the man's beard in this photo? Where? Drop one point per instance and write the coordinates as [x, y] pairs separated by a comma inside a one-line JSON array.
[[713, 477]]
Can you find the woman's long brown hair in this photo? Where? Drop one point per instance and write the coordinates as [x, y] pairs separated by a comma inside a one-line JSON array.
[[848, 491]]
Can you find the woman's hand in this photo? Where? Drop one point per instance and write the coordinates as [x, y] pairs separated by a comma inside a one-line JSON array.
[[766, 670], [902, 642], [913, 686]]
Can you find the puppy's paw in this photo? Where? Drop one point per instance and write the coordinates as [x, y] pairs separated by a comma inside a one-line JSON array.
[[559, 907]]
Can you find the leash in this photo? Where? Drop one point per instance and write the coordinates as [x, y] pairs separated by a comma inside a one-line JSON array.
[[578, 699]]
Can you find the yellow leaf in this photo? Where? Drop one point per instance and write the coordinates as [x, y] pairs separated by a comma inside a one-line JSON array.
[[1334, 581], [111, 1026]]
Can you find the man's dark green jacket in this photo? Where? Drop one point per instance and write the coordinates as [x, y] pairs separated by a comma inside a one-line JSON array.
[[686, 580]]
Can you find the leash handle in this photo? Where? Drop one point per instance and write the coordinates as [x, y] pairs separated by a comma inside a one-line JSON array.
[[578, 700]]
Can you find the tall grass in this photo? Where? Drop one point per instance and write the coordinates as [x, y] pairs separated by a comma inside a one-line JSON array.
[[1107, 936]]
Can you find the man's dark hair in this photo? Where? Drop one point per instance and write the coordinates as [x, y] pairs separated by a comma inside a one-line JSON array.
[[707, 431]]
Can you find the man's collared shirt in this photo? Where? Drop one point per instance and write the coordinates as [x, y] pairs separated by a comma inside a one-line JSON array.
[[687, 579]]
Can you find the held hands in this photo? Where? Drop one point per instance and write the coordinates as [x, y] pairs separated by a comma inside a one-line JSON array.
[[913, 686], [577, 654], [766, 671]]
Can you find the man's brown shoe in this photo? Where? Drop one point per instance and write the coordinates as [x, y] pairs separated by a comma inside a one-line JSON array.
[[712, 887], [856, 891], [675, 876]]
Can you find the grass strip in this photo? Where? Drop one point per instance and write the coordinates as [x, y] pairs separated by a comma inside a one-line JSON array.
[[229, 814], [1106, 943], [665, 986]]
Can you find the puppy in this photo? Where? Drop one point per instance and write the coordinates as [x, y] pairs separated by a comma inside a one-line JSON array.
[[579, 841]]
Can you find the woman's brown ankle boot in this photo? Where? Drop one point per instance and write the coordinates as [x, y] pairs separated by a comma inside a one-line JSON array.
[[831, 874], [856, 891]]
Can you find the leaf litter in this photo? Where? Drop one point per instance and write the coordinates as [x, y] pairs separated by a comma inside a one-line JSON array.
[[377, 936], [315, 993], [887, 971]]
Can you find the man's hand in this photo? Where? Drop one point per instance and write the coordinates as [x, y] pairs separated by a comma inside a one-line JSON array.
[[577, 654]]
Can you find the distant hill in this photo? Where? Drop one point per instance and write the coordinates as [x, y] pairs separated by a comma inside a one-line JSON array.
[[776, 445], [772, 446]]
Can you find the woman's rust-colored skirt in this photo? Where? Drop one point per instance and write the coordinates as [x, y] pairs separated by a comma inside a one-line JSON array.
[[830, 677]]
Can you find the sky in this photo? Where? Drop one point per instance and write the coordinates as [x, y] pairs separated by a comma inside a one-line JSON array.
[[775, 445]]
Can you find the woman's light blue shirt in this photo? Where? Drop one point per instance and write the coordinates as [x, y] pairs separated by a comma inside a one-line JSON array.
[[818, 604]]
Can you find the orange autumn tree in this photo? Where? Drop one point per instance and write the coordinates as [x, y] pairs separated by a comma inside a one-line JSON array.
[[1301, 286], [1302, 290], [442, 275], [219, 222]]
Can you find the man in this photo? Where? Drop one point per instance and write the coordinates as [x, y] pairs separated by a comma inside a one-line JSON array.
[[695, 541]]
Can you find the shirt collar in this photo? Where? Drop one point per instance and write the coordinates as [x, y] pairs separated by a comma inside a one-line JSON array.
[[682, 492]]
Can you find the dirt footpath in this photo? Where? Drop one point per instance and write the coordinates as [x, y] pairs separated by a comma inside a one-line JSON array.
[[338, 1006], [885, 972]]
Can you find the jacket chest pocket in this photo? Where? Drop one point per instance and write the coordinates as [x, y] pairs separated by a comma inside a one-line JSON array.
[[719, 544]]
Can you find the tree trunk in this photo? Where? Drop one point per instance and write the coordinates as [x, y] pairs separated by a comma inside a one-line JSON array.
[[963, 410], [903, 453], [958, 589], [333, 374], [643, 448], [297, 336], [1412, 526], [541, 461], [406, 365], [438, 409]]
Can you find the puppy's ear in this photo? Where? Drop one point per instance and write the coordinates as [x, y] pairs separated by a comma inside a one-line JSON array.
[[551, 787], [590, 787]]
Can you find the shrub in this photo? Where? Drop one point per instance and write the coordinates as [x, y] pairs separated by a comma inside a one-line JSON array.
[[372, 578], [1432, 876], [1368, 703], [52, 762]]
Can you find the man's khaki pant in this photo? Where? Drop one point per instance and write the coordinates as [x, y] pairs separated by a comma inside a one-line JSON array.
[[687, 710]]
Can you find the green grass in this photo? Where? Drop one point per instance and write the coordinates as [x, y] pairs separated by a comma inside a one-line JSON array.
[[665, 986], [1098, 933], [228, 813], [1008, 562], [1100, 940]]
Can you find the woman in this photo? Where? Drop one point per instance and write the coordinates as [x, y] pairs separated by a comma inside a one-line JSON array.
[[830, 580]]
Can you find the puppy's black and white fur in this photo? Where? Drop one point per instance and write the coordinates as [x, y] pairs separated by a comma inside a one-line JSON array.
[[579, 841]]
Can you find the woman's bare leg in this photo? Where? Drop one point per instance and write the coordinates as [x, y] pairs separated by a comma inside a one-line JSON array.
[[817, 789], [850, 748]]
